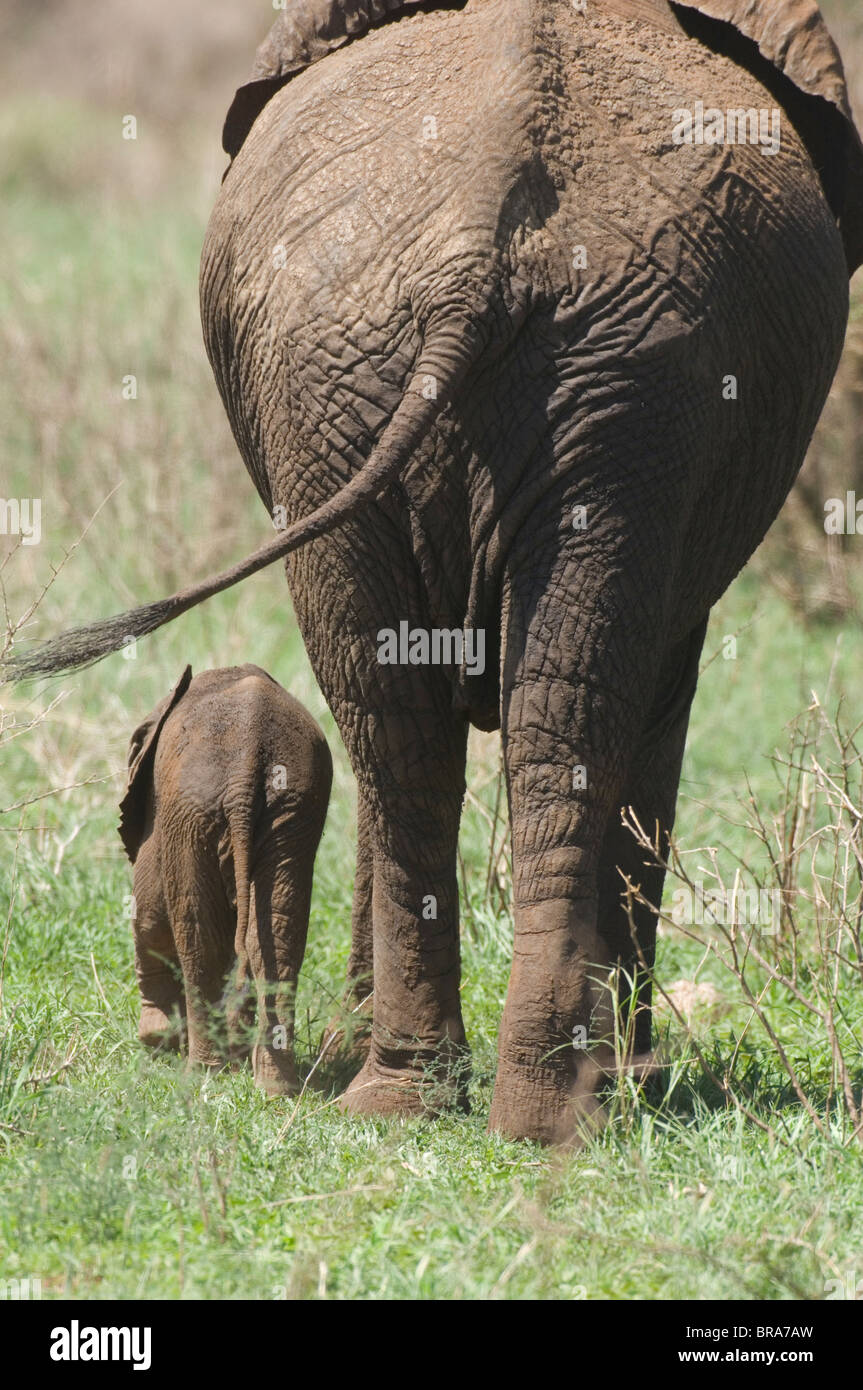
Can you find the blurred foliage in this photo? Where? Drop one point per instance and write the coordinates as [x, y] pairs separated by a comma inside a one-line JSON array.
[[821, 575]]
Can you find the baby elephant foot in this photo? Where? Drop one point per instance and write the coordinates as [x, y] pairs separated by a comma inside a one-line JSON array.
[[274, 1070], [204, 1048], [241, 1030], [425, 1082], [156, 1030]]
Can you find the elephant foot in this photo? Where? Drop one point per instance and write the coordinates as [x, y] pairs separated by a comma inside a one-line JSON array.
[[158, 1031], [531, 1104], [204, 1052], [274, 1070], [556, 1107], [417, 1085], [241, 1030]]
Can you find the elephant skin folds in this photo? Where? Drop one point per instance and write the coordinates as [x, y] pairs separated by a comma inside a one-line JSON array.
[[636, 336], [229, 780]]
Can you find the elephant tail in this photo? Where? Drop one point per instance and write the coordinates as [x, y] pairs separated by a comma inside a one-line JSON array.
[[447, 354]]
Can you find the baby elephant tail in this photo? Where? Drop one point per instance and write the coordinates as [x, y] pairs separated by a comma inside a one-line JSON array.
[[448, 353]]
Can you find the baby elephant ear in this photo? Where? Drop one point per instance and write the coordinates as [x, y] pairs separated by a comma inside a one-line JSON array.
[[142, 750], [302, 35], [792, 35]]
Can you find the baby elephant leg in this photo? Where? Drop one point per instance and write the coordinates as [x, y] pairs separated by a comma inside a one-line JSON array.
[[156, 965], [274, 945], [203, 922]]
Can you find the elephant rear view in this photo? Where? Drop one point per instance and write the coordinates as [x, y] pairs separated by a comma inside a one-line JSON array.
[[578, 277], [229, 782], [523, 314]]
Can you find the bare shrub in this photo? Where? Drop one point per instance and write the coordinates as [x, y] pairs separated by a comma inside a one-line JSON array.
[[793, 977]]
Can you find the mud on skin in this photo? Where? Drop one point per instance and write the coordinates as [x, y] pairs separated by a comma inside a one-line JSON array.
[[461, 285], [229, 782]]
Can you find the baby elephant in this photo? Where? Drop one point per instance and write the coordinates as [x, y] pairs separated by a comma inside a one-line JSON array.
[[229, 781]]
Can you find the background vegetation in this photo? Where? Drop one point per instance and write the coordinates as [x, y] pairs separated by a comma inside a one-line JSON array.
[[124, 1176]]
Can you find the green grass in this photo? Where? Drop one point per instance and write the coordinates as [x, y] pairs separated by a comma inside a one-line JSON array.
[[122, 1175], [135, 1179]]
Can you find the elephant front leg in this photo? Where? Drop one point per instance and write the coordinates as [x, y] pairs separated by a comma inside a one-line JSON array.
[[361, 970], [349, 1031]]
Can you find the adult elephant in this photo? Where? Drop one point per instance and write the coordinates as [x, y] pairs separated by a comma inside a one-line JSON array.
[[523, 314]]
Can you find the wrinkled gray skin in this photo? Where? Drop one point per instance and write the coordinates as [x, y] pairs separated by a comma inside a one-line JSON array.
[[356, 250], [229, 781], [427, 378]]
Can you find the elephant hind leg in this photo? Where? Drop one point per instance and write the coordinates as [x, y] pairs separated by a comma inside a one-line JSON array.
[[574, 681], [414, 783], [274, 946], [408, 748], [203, 922], [157, 968]]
